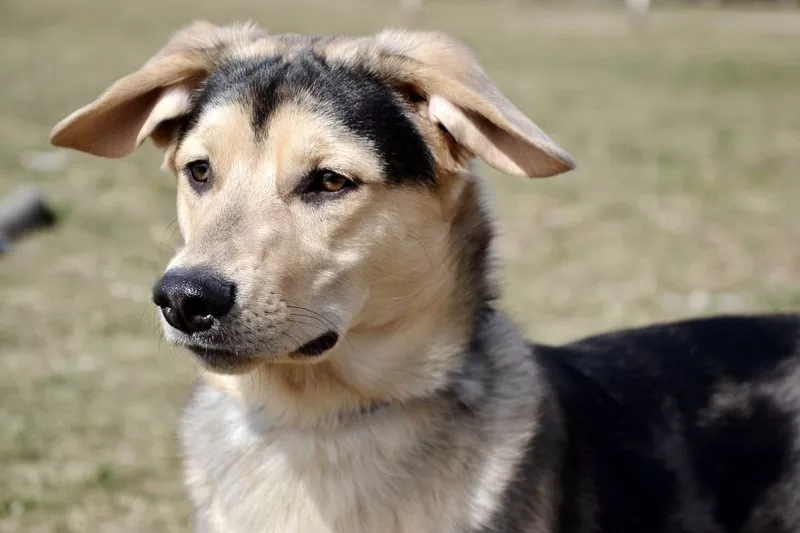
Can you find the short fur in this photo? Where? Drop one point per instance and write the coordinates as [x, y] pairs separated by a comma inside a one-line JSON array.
[[431, 413]]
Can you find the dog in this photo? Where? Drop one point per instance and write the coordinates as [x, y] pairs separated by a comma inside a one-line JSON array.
[[336, 283]]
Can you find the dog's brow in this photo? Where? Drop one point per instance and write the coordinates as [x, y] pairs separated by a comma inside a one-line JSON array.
[[352, 96]]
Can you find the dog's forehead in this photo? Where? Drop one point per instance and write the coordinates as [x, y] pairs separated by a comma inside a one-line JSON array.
[[348, 93]]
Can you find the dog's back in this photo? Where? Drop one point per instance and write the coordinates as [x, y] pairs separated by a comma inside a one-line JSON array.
[[688, 426]]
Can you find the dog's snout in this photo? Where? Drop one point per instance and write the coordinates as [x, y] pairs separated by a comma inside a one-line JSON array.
[[190, 299]]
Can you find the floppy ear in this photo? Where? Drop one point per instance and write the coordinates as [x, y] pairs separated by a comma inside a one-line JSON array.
[[463, 100], [142, 104]]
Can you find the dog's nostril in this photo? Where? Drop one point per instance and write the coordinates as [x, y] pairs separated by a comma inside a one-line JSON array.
[[199, 322], [191, 299], [198, 307], [211, 298], [160, 299], [173, 318]]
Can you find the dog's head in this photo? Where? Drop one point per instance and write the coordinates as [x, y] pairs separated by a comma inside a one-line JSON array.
[[319, 183]]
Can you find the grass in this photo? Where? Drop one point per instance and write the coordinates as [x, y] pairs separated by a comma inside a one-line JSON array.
[[685, 203]]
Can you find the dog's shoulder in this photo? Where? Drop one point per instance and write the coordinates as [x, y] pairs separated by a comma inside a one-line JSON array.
[[607, 457]]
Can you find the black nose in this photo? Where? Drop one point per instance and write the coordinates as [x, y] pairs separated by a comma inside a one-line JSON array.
[[190, 299]]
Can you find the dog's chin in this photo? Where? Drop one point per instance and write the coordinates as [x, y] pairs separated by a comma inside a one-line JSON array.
[[224, 361]]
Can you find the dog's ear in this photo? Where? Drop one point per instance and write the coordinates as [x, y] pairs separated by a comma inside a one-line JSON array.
[[464, 101], [147, 102]]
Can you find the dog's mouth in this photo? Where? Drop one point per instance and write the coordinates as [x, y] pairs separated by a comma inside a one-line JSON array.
[[320, 345], [234, 360]]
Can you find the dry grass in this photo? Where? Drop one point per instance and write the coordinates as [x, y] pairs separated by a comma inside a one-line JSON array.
[[685, 203]]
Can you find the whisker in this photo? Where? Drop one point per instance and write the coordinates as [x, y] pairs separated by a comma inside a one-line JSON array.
[[319, 323], [294, 341], [318, 315], [333, 326]]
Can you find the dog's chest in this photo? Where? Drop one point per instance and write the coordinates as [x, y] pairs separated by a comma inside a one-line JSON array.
[[351, 480]]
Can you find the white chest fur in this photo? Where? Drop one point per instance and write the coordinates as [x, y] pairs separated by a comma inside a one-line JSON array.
[[365, 476]]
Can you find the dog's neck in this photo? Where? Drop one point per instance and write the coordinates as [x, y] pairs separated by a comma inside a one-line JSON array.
[[380, 363]]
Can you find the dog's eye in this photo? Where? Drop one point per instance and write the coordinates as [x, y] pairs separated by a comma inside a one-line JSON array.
[[199, 170], [325, 181]]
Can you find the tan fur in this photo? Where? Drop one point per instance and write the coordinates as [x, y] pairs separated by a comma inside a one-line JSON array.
[[357, 476], [382, 267]]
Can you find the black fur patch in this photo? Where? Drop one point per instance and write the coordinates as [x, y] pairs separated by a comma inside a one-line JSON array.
[[741, 454], [355, 97], [739, 448]]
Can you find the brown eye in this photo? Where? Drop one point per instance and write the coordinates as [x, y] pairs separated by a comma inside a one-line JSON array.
[[332, 182], [326, 181], [322, 185], [199, 170]]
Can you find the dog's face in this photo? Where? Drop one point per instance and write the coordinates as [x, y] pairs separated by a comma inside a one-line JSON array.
[[318, 180], [307, 187]]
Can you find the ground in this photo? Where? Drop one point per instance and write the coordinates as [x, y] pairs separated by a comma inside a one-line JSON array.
[[685, 203]]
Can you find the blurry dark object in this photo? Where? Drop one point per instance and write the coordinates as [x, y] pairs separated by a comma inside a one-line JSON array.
[[22, 211]]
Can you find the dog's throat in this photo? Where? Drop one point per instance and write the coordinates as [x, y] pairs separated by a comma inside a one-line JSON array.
[[320, 345]]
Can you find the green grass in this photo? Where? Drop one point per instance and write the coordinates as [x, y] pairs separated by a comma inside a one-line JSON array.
[[685, 203]]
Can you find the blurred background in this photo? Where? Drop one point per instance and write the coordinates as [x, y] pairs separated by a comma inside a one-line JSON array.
[[686, 128]]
